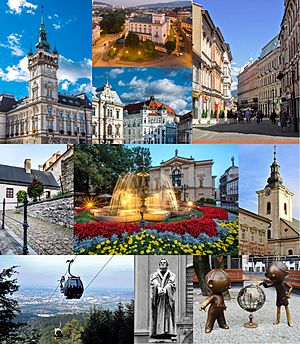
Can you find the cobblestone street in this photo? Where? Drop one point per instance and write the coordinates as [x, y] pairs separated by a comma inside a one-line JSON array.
[[265, 132], [43, 237], [265, 333]]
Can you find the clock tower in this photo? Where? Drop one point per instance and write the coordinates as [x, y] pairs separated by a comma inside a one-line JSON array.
[[43, 66], [275, 201]]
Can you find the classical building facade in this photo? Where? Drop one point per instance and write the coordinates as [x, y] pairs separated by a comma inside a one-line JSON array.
[[45, 116], [275, 203], [211, 68], [253, 233], [146, 122], [14, 179], [185, 128], [290, 56], [247, 86], [107, 120], [228, 101], [229, 191], [191, 179], [155, 27], [268, 86], [182, 268]]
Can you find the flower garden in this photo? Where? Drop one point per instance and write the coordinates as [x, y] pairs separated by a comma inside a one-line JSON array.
[[215, 232]]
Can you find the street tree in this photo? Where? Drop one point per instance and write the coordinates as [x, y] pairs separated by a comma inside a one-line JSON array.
[[132, 40], [9, 308], [35, 189], [170, 46]]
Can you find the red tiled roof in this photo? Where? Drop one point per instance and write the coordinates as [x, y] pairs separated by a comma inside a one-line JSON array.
[[152, 104]]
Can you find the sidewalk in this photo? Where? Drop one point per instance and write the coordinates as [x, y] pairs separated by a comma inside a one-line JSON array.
[[265, 132], [43, 237], [265, 333], [10, 244]]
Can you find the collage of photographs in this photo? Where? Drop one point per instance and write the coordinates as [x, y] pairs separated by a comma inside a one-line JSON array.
[[149, 171]]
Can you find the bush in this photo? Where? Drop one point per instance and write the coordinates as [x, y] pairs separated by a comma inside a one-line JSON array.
[[21, 196], [170, 46], [35, 189]]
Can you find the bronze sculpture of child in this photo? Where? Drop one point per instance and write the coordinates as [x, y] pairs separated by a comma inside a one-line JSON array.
[[276, 273], [218, 282]]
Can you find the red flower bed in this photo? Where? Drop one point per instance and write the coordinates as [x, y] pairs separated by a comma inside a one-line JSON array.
[[213, 213], [107, 229]]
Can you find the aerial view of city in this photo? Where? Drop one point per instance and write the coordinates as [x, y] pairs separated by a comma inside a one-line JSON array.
[[133, 33], [60, 298]]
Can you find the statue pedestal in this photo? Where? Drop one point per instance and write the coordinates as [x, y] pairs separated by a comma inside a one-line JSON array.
[[153, 340]]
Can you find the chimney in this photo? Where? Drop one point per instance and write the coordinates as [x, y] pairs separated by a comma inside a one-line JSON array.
[[27, 165]]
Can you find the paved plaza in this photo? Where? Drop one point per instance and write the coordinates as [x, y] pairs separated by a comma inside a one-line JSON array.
[[43, 237], [264, 132], [265, 333]]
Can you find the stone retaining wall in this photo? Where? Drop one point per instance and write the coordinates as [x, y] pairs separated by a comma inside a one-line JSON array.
[[58, 211]]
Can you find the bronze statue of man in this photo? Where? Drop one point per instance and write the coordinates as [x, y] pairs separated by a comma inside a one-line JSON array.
[[163, 287], [277, 273]]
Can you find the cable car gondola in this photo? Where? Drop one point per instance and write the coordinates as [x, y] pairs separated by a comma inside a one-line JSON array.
[[57, 333], [72, 288]]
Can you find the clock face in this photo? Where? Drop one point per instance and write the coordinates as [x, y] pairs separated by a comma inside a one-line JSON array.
[[49, 71]]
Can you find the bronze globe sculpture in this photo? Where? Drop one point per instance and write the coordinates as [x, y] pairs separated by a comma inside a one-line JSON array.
[[251, 298]]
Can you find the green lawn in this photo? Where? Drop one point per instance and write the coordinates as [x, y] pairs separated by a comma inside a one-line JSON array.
[[138, 54]]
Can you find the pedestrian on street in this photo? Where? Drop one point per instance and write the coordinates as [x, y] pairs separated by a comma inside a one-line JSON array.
[[248, 116], [283, 120], [273, 117], [258, 117]]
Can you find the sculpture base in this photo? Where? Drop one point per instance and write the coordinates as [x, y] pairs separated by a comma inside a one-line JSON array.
[[250, 325]]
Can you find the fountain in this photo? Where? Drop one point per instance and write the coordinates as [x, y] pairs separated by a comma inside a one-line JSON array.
[[137, 195]]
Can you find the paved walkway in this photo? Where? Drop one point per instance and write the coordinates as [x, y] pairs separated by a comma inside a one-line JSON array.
[[265, 132], [44, 237], [8, 245], [265, 333]]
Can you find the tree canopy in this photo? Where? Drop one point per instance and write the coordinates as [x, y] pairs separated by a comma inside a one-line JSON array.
[[113, 22], [9, 307], [132, 40], [98, 167], [35, 189]]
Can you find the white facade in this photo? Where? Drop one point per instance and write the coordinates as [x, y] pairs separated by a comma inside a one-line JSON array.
[[155, 27], [45, 116], [146, 122], [191, 179], [107, 121]]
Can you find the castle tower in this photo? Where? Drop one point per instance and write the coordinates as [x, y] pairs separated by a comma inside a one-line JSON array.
[[275, 201], [43, 66]]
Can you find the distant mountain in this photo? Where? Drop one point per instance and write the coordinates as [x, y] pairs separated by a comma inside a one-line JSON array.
[[100, 3], [168, 4]]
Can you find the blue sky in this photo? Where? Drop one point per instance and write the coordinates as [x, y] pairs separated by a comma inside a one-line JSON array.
[[14, 155], [246, 25], [45, 271], [221, 154], [68, 23], [170, 85], [255, 161]]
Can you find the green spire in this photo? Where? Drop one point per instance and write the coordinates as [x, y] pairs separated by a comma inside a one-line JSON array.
[[43, 43]]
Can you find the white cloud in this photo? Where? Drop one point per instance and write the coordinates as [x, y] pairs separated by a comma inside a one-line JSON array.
[[18, 73], [17, 6], [84, 88], [235, 71], [65, 85], [234, 85], [165, 90], [115, 72], [13, 44], [73, 71]]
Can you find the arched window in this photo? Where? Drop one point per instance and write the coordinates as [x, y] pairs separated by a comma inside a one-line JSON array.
[[285, 208], [109, 130], [290, 252], [268, 208], [176, 178]]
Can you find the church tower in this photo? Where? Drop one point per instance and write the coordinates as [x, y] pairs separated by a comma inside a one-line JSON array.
[[275, 201], [43, 66]]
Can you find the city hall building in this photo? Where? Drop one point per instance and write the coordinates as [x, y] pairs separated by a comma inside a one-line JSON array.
[[45, 116]]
